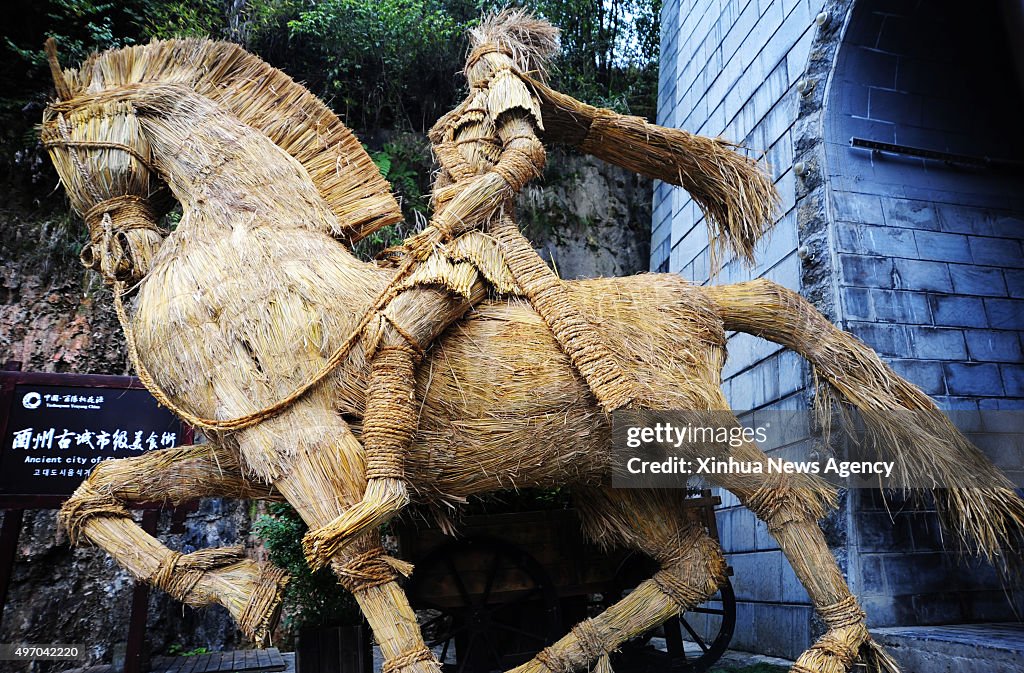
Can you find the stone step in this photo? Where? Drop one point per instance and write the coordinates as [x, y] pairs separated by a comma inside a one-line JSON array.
[[955, 648]]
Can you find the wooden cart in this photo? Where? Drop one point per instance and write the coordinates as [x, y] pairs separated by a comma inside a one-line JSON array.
[[514, 583]]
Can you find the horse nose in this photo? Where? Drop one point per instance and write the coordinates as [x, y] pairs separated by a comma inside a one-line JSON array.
[[123, 238]]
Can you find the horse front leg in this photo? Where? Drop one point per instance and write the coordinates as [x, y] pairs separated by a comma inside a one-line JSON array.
[[97, 512], [324, 477]]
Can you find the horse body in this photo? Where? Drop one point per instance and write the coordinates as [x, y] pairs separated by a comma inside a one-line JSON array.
[[239, 309]]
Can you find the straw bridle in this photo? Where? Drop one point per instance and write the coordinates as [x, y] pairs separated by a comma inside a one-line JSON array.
[[110, 217]]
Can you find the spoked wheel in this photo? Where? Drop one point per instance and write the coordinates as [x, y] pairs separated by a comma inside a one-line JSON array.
[[492, 604], [709, 626]]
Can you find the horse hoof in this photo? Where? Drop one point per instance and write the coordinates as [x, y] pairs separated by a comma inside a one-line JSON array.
[[839, 649]]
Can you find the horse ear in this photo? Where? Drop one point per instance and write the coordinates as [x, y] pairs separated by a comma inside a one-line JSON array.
[[63, 90]]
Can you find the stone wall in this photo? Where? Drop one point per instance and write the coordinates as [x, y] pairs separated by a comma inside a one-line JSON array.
[[731, 69], [931, 272], [588, 218], [920, 259]]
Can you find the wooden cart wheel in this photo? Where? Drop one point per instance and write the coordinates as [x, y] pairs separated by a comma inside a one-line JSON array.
[[709, 625], [712, 637], [489, 599]]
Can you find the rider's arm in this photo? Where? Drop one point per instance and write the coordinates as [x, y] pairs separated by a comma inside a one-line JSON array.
[[515, 112]]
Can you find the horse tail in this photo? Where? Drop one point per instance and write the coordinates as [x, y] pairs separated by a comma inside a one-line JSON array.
[[988, 516]]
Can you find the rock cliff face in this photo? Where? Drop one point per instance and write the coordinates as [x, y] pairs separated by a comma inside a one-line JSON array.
[[54, 317], [589, 218]]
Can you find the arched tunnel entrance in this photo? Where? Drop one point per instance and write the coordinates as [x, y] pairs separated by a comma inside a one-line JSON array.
[[924, 150]]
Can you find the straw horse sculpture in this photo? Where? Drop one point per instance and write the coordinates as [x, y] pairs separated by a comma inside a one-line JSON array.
[[247, 310]]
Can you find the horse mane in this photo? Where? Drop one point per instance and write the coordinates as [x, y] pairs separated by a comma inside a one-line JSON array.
[[267, 100]]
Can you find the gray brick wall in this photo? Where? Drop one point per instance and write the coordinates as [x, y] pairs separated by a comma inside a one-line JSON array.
[[924, 260], [929, 263], [730, 68], [930, 255]]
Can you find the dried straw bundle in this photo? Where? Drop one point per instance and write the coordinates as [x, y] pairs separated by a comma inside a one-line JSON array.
[[265, 99], [118, 200], [984, 513], [250, 591], [530, 42], [736, 195]]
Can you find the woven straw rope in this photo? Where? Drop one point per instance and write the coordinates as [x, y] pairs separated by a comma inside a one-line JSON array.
[[390, 401], [84, 504], [406, 659], [178, 574], [365, 570]]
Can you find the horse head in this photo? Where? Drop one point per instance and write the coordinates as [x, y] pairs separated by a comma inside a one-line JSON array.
[[113, 157], [104, 159]]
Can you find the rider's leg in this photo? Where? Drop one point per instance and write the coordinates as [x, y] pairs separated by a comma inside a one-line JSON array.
[[97, 512], [406, 327]]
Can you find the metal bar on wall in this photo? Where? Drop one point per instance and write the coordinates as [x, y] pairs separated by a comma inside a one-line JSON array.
[[934, 155]]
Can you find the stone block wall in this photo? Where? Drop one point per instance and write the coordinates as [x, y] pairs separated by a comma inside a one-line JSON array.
[[923, 260], [731, 69], [929, 261]]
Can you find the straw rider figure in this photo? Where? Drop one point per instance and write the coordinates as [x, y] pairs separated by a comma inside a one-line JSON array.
[[488, 149]]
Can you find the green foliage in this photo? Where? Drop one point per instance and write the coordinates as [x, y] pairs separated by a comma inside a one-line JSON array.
[[178, 650], [405, 161], [311, 599], [609, 51], [80, 27], [381, 63], [185, 18]]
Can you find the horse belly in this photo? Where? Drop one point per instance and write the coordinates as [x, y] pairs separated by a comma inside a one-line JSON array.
[[504, 408]]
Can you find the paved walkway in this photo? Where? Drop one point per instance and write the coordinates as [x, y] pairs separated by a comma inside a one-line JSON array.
[[731, 659], [956, 648]]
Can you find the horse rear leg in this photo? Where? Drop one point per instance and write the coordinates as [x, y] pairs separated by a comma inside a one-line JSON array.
[[97, 512], [791, 506], [654, 522]]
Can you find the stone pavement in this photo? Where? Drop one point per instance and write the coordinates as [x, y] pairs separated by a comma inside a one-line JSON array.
[[731, 659], [958, 648]]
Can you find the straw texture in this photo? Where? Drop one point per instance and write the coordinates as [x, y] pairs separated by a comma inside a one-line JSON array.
[[985, 514], [251, 591], [260, 96], [735, 194], [254, 321]]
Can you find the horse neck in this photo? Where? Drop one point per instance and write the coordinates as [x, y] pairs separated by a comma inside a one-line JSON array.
[[226, 175]]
